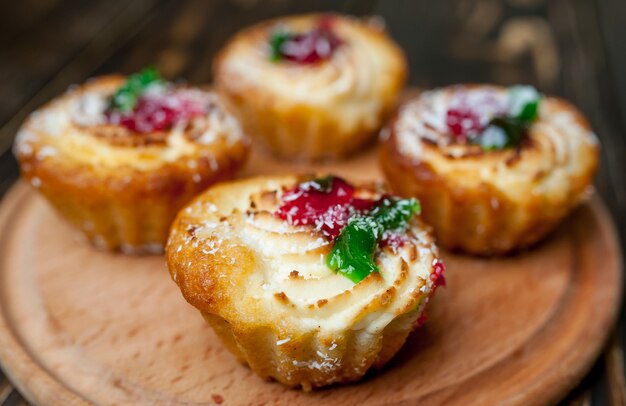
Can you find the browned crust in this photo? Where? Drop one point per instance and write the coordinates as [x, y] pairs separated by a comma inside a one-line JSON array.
[[126, 184], [147, 202]]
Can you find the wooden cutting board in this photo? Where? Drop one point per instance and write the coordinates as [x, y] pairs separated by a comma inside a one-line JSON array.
[[81, 326]]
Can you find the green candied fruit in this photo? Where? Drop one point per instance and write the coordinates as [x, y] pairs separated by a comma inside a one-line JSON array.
[[276, 41], [352, 255], [508, 131], [523, 102], [392, 213], [502, 132], [529, 112], [125, 98]]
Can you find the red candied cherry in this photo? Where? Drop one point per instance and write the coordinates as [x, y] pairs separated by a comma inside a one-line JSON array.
[[327, 203], [462, 122], [156, 113], [306, 48], [392, 240], [335, 218], [437, 276], [308, 201], [149, 115]]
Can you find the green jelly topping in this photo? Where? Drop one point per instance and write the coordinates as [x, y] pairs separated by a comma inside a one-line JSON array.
[[276, 41], [394, 213], [352, 254], [529, 112], [502, 132], [507, 131], [125, 98]]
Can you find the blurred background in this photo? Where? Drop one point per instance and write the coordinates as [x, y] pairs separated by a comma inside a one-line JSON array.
[[570, 48]]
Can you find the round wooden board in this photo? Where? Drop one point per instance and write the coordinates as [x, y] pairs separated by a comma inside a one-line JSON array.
[[80, 326]]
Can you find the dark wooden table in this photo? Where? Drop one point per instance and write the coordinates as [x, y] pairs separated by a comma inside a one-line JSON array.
[[570, 48]]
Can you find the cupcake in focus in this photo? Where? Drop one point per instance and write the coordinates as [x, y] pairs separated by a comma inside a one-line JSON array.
[[312, 86], [119, 156], [309, 281], [495, 168]]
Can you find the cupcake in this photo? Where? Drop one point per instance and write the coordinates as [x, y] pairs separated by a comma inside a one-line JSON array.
[[309, 281], [495, 168], [118, 157], [311, 86]]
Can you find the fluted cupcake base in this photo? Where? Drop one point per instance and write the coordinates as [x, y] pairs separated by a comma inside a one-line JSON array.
[[312, 360]]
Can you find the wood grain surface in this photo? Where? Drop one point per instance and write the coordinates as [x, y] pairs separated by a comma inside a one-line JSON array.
[[81, 326], [570, 48]]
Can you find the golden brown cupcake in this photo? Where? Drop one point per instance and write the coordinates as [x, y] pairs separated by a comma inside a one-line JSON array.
[[308, 281], [495, 168], [118, 157], [311, 86]]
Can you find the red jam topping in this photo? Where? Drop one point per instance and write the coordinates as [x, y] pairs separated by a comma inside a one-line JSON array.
[[462, 122], [156, 112], [305, 48], [437, 276], [327, 203], [392, 240]]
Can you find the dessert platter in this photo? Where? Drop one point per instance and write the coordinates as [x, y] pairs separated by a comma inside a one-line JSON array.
[[294, 233]]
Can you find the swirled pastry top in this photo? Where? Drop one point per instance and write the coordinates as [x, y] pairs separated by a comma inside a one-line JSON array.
[[232, 255], [77, 129], [557, 146], [366, 65]]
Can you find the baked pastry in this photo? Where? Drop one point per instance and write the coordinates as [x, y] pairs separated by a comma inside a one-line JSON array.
[[495, 168], [308, 281], [118, 157], [311, 86]]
